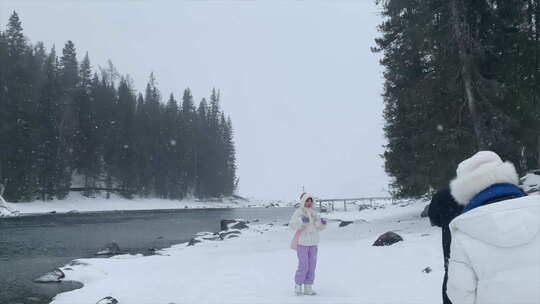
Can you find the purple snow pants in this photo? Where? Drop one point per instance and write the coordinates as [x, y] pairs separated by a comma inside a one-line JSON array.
[[307, 260]]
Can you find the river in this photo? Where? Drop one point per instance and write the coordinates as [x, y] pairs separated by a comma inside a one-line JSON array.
[[33, 245]]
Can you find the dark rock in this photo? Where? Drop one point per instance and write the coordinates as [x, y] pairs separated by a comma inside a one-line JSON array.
[[345, 223], [240, 225], [225, 234], [193, 241], [363, 207], [387, 239], [211, 238], [107, 300], [425, 211], [110, 249], [225, 224], [33, 299], [152, 251], [54, 276], [53, 212], [426, 270], [77, 263]]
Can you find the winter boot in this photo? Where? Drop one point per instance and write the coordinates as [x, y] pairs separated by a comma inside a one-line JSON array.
[[298, 290], [308, 291]]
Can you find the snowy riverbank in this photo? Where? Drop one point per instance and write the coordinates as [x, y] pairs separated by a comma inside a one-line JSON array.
[[258, 266], [77, 203]]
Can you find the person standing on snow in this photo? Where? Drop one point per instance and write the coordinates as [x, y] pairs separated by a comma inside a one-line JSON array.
[[495, 250], [442, 210], [307, 224]]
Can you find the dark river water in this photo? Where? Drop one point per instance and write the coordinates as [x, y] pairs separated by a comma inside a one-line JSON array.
[[33, 245]]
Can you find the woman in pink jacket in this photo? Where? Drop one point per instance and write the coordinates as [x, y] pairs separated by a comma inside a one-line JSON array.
[[307, 224]]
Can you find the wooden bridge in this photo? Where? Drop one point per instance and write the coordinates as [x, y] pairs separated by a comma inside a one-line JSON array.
[[345, 200]]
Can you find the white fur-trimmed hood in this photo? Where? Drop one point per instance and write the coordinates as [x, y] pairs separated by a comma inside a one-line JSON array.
[[479, 172]]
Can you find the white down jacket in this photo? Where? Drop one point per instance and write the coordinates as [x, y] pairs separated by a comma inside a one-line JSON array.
[[310, 235], [495, 254]]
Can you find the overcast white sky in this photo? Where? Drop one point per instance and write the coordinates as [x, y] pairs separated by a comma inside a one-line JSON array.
[[297, 78]]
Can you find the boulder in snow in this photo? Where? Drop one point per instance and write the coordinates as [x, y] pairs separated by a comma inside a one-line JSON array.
[[107, 300], [363, 207], [426, 270], [77, 263], [54, 276], [387, 239], [4, 209], [228, 234], [110, 249], [233, 224], [345, 223], [240, 225], [530, 183], [225, 224], [425, 211], [193, 241]]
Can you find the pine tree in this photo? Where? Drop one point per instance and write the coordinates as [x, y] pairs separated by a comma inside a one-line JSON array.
[[49, 158], [456, 80], [125, 143], [188, 120], [86, 150], [19, 161], [58, 118]]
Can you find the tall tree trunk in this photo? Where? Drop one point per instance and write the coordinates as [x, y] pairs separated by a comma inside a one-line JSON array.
[[538, 150], [463, 40], [536, 15]]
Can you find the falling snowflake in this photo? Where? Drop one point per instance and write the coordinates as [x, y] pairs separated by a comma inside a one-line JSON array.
[[173, 142], [440, 128]]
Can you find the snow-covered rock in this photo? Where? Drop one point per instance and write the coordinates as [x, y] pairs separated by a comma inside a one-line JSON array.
[[233, 224], [110, 249], [108, 300], [193, 241], [4, 209], [387, 239], [530, 183], [229, 234], [54, 276], [240, 225], [345, 223]]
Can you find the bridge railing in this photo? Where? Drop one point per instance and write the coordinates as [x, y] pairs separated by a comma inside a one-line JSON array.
[[346, 201]]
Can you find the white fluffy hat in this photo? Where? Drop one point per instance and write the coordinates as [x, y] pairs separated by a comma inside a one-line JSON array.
[[477, 173], [304, 197]]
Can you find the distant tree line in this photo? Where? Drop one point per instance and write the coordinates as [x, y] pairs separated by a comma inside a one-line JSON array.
[[460, 76], [62, 123]]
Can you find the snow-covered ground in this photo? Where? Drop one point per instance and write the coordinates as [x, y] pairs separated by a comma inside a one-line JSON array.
[[258, 266], [76, 202]]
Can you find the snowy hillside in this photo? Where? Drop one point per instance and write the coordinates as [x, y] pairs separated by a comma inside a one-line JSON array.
[[75, 202], [258, 266]]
